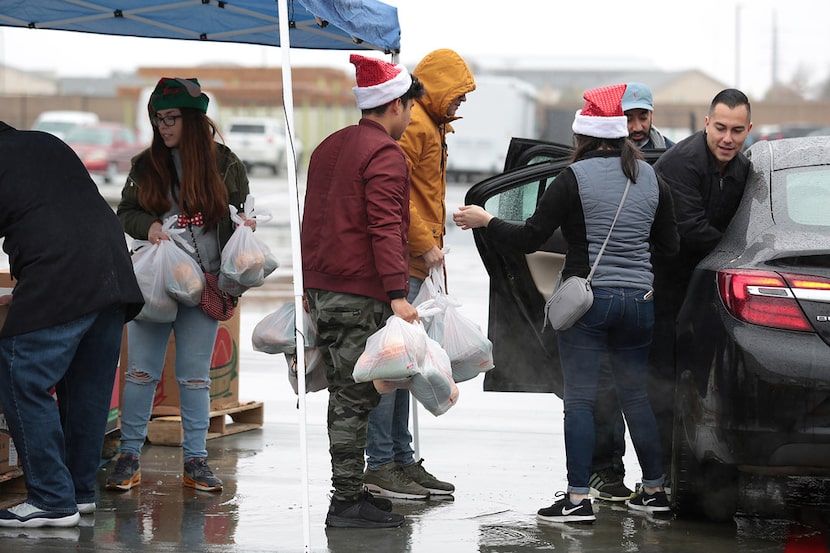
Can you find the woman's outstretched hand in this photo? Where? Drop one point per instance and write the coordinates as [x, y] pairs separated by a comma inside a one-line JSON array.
[[471, 216]]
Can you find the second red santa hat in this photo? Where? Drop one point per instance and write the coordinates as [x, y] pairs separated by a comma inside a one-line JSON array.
[[602, 115]]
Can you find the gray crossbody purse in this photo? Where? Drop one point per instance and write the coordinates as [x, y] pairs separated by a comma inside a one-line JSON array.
[[574, 297]]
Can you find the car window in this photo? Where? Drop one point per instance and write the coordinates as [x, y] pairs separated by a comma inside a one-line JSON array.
[[518, 203], [807, 196], [90, 135], [248, 128]]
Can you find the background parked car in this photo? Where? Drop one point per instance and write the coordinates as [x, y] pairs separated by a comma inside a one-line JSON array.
[[753, 387], [777, 132], [105, 148], [60, 122], [258, 141]]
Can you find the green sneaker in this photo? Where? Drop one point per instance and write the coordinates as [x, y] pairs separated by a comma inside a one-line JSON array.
[[390, 480], [419, 474]]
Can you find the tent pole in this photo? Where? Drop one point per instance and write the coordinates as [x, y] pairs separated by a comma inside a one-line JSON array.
[[416, 435], [296, 259]]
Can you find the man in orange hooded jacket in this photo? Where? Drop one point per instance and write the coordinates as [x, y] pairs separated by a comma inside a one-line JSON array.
[[392, 470]]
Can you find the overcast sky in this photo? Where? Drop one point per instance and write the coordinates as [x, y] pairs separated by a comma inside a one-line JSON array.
[[728, 39]]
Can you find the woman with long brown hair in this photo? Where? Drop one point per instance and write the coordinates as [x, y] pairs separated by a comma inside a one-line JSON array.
[[183, 173]]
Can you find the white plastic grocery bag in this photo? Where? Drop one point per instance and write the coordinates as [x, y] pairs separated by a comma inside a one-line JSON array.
[[469, 350], [159, 306], [245, 260], [393, 352], [184, 278], [276, 332], [432, 385]]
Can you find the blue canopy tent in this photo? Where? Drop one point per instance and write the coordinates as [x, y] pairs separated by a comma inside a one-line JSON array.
[[314, 24], [311, 24]]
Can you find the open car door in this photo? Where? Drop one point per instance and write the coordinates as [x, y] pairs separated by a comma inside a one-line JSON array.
[[525, 351], [526, 357]]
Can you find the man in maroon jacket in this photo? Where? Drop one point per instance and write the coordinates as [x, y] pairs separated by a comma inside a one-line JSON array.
[[356, 267]]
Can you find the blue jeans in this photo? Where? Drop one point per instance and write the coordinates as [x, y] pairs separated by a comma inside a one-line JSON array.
[[620, 324], [195, 335], [60, 442], [388, 438]]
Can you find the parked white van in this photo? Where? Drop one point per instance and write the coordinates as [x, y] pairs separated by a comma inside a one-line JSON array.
[[60, 122]]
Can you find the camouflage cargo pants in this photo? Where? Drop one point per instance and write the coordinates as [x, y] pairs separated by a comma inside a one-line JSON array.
[[344, 323]]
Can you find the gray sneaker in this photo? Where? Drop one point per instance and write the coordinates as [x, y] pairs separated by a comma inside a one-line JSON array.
[[126, 475], [390, 480], [419, 474], [197, 474], [607, 485]]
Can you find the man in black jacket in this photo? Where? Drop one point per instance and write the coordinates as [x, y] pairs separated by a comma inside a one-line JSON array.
[[74, 289], [706, 173]]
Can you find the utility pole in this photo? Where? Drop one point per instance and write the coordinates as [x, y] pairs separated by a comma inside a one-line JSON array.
[[774, 49], [737, 46]]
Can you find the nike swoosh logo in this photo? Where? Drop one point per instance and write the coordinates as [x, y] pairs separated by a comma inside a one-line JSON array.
[[647, 501], [571, 510]]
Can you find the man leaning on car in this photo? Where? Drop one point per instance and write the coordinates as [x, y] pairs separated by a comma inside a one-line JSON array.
[[706, 173]]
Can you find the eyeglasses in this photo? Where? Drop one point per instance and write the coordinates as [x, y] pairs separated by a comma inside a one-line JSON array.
[[168, 120]]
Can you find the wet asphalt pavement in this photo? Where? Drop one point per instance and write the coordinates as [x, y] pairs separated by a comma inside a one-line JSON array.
[[503, 451]]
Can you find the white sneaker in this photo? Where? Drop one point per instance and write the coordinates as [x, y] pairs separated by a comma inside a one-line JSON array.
[[25, 515], [86, 508]]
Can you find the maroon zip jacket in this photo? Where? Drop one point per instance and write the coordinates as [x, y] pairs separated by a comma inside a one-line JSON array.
[[356, 215]]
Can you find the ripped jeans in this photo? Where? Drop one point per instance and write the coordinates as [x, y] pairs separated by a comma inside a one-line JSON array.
[[195, 334]]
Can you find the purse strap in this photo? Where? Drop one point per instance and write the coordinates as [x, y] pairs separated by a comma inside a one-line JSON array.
[[614, 222], [199, 257]]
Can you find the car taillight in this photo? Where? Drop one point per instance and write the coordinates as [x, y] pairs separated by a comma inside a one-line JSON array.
[[763, 298]]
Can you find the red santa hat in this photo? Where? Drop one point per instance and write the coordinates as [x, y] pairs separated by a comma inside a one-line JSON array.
[[378, 82], [602, 115]]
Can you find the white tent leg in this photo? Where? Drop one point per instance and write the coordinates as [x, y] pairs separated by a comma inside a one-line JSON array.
[[297, 262], [415, 433]]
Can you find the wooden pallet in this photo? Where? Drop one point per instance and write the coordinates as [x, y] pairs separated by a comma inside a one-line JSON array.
[[12, 488], [167, 430]]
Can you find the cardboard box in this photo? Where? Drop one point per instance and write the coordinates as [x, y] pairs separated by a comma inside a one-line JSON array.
[[115, 403], [8, 454], [6, 285], [224, 371], [3, 308]]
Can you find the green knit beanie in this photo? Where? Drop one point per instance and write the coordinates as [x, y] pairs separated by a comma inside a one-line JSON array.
[[177, 93]]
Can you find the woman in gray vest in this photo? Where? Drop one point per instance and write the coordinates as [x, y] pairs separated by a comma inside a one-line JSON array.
[[583, 201]]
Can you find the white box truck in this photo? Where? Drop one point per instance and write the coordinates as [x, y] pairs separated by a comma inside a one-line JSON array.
[[497, 110]]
